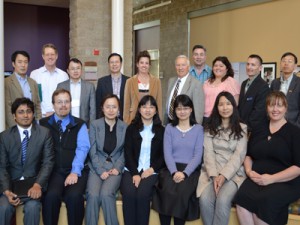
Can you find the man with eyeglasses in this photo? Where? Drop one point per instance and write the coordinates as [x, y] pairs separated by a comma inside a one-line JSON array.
[[289, 84], [200, 70], [69, 177], [82, 92], [112, 84], [47, 77], [26, 162], [20, 85]]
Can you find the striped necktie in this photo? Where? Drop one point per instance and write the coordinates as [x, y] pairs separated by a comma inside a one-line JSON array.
[[24, 146], [60, 128], [171, 108]]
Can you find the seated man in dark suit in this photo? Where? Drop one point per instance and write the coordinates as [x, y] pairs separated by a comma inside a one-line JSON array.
[[69, 177], [254, 90], [112, 84], [82, 92], [26, 158]]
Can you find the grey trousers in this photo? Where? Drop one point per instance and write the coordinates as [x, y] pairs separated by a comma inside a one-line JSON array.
[[101, 193], [31, 211], [215, 210]]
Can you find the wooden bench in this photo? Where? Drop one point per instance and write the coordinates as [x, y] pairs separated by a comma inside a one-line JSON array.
[[154, 218]]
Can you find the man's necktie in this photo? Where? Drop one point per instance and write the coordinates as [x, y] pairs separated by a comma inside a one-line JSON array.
[[247, 86], [171, 108], [24, 146], [60, 128]]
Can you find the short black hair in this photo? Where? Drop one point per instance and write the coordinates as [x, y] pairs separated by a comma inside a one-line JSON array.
[[254, 56], [115, 54], [75, 60], [199, 46], [21, 101], [19, 52], [291, 54], [108, 96]]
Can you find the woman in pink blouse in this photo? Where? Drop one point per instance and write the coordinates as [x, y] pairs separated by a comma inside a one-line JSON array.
[[221, 80]]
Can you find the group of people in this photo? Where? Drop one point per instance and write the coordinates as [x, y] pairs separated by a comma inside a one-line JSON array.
[[217, 144]]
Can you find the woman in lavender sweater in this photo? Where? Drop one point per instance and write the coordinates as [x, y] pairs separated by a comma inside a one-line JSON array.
[[183, 148]]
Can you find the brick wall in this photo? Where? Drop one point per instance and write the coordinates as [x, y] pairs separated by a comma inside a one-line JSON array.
[[90, 28]]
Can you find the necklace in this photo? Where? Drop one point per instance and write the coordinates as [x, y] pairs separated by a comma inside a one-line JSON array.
[[183, 132]]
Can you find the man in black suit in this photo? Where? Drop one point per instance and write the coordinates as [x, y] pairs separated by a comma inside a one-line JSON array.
[[254, 90], [26, 158], [289, 84], [112, 84]]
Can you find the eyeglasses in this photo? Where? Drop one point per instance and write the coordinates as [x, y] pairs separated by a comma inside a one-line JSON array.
[[182, 108], [287, 61], [61, 102], [22, 112]]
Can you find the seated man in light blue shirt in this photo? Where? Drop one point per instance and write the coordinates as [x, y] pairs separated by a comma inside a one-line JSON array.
[[69, 177], [200, 70]]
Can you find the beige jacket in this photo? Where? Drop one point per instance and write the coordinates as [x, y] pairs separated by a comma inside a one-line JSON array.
[[223, 155], [131, 96]]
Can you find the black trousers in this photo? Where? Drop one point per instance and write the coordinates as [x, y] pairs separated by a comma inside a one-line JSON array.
[[136, 201], [72, 195]]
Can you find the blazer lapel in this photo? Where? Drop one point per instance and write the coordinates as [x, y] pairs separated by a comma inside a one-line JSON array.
[[16, 84], [292, 86], [186, 85], [18, 144], [109, 84], [101, 132], [135, 86], [123, 81], [119, 132]]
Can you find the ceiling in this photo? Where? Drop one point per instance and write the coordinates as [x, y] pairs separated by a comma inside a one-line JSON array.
[[65, 3]]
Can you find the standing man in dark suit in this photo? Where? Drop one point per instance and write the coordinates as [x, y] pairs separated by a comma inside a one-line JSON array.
[[71, 145], [289, 84], [187, 85], [254, 90], [112, 84], [26, 158], [82, 92], [19, 85]]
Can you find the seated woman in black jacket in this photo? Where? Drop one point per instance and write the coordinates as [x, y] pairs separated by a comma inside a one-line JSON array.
[[143, 159]]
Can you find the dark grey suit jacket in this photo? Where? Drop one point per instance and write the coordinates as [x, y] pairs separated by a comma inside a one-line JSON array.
[[39, 160], [87, 100], [293, 99], [193, 88], [252, 105], [104, 87], [98, 156]]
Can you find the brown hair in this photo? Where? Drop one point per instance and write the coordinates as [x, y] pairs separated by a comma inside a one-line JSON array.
[[60, 91], [276, 96], [49, 45]]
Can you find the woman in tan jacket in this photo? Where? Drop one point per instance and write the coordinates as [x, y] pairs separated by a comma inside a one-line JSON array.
[[225, 146], [141, 84]]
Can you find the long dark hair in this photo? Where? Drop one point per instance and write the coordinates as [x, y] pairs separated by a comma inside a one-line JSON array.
[[213, 125], [183, 100], [138, 122], [226, 62]]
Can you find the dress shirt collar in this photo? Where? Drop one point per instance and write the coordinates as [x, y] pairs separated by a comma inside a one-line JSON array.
[[21, 130]]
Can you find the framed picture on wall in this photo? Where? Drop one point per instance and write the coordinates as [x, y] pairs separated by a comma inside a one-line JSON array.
[[268, 72], [297, 71]]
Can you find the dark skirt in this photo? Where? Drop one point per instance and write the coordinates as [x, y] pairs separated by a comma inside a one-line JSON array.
[[177, 199]]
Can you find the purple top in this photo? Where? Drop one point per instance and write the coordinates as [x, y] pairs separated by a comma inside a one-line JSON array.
[[183, 148]]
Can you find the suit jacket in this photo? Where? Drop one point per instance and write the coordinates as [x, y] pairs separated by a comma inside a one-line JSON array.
[[132, 149], [104, 87], [193, 88], [252, 104], [87, 110], [13, 90], [39, 159], [293, 99], [132, 96], [98, 156]]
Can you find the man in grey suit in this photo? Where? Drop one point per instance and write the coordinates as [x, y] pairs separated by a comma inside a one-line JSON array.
[[112, 84], [26, 159], [82, 92], [187, 85], [289, 84], [254, 90], [20, 85]]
